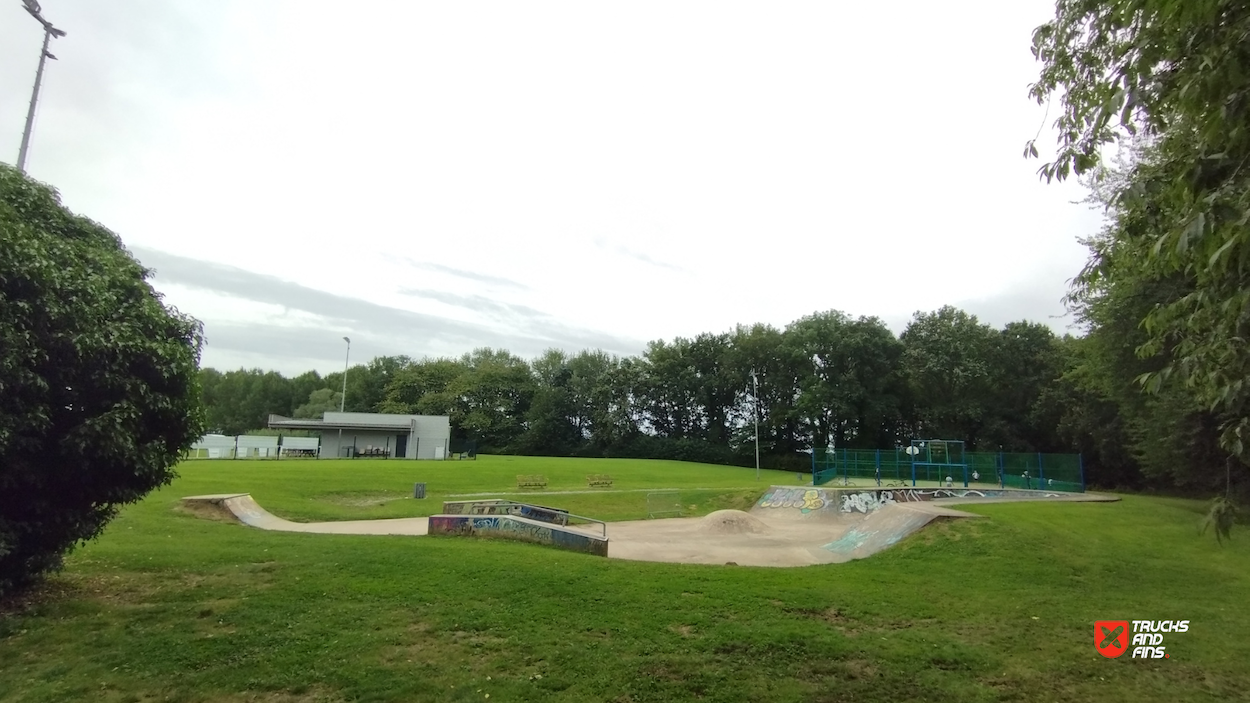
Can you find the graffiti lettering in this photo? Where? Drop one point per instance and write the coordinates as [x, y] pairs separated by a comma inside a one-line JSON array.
[[867, 502], [806, 499], [513, 529]]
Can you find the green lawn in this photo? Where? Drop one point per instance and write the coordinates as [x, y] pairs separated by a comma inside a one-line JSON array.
[[167, 606], [312, 489]]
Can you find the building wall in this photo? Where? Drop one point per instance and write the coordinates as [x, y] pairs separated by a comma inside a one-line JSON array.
[[430, 440], [358, 438]]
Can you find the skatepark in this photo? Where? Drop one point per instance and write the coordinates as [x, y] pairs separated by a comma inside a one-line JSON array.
[[786, 526]]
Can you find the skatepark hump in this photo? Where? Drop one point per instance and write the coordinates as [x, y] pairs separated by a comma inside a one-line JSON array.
[[787, 525]]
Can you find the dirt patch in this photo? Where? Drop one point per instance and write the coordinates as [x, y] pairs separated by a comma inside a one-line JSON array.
[[836, 619], [311, 694], [947, 529], [858, 669], [51, 590], [206, 510], [475, 639], [362, 500]]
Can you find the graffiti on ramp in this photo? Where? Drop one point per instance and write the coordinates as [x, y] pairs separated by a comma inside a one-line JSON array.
[[807, 500]]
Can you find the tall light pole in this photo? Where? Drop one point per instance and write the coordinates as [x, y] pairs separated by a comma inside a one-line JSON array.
[[32, 6], [343, 395], [755, 407], [343, 398]]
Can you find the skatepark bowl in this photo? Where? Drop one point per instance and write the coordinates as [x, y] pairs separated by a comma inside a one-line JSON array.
[[787, 526]]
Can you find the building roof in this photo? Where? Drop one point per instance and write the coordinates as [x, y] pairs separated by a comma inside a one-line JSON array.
[[356, 421]]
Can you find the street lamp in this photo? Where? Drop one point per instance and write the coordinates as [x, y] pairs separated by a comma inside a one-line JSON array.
[[343, 396], [755, 406], [32, 6]]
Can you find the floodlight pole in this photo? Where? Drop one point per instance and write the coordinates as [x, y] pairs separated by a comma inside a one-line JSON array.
[[48, 32], [343, 395], [755, 397]]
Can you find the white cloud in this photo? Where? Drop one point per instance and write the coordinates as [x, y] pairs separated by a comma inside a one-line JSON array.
[[643, 170]]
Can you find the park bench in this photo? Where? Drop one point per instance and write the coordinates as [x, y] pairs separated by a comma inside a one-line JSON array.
[[531, 481], [599, 481]]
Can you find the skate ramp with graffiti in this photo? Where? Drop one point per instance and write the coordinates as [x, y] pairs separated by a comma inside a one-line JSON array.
[[806, 525], [835, 504], [522, 529], [241, 507], [787, 525], [798, 504], [869, 533]]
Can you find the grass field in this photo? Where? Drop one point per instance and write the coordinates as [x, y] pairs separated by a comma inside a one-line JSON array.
[[167, 606]]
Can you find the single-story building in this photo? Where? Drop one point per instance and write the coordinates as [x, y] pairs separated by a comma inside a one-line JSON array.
[[376, 434]]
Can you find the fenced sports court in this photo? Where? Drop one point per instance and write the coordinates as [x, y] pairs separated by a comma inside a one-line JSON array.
[[935, 460]]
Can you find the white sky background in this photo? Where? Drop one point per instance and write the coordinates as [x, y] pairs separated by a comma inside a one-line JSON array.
[[528, 175]]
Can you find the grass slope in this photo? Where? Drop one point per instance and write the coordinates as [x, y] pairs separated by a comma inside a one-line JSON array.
[[167, 606]]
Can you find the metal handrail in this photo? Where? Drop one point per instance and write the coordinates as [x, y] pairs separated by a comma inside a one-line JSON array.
[[603, 526]]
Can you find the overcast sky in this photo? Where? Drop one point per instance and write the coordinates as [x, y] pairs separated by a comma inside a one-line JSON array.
[[427, 178]]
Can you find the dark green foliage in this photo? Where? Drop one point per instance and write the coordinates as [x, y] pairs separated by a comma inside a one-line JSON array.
[[98, 383], [824, 378], [852, 384], [242, 400], [1220, 518], [948, 360], [1176, 74], [320, 402]]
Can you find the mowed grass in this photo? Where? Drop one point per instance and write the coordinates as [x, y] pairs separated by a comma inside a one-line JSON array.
[[363, 489], [167, 606]]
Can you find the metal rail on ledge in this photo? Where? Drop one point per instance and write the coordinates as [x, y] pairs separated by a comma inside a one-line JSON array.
[[540, 513]]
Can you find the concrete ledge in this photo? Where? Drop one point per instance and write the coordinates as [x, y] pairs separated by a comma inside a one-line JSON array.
[[520, 529]]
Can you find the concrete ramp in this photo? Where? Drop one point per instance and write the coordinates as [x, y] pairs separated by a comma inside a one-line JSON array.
[[241, 507], [882, 528]]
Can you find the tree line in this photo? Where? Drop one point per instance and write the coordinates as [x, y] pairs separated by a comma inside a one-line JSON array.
[[824, 380], [1167, 287]]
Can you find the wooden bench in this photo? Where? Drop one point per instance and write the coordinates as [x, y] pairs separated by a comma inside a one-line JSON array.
[[599, 481], [531, 481]]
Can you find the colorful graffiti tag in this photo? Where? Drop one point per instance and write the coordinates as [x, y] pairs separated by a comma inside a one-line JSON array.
[[865, 502], [506, 507], [805, 499], [508, 527], [870, 501]]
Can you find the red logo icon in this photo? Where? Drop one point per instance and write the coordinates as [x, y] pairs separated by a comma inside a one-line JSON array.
[[1111, 637]]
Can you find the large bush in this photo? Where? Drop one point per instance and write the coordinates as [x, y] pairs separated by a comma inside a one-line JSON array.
[[98, 384]]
